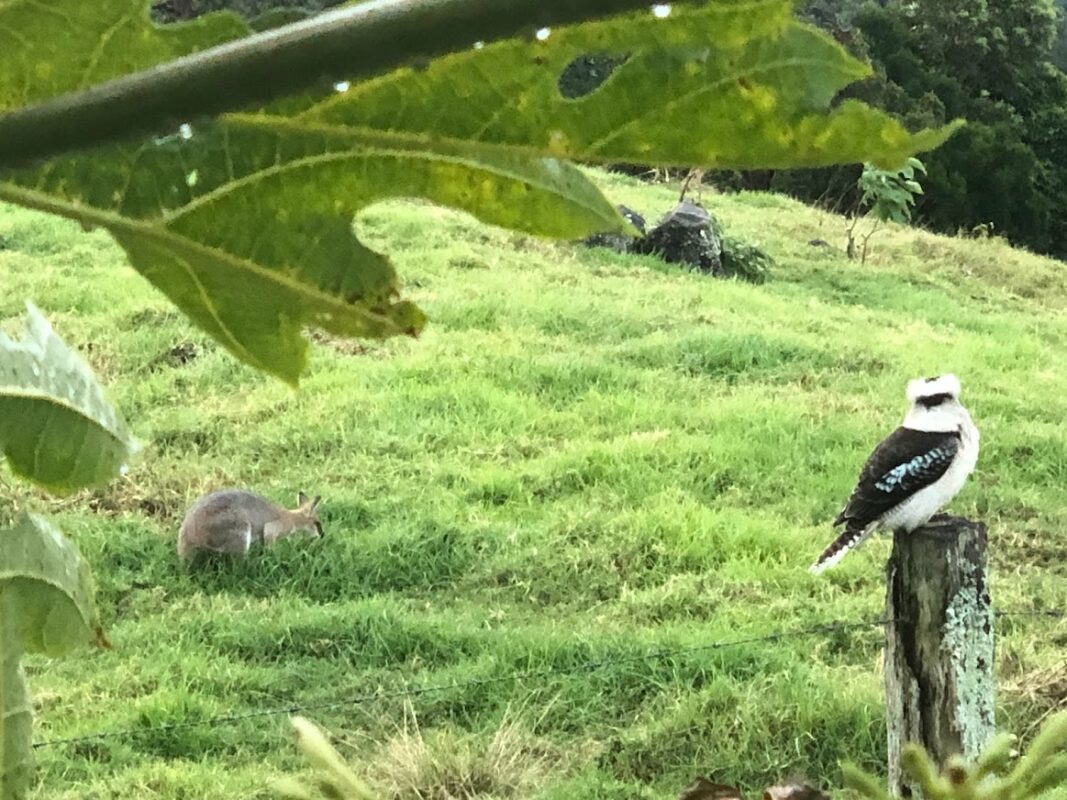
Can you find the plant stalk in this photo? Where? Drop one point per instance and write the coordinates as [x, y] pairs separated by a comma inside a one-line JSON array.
[[16, 717], [349, 43]]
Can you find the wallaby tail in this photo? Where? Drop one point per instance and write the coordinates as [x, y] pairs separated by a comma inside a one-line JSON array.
[[850, 538]]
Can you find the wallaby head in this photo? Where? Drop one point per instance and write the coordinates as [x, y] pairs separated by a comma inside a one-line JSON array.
[[307, 511]]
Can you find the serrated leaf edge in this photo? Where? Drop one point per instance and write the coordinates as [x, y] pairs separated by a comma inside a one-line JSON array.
[[706, 88]]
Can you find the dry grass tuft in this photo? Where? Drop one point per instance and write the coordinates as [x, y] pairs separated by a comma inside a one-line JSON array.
[[1044, 690], [451, 765]]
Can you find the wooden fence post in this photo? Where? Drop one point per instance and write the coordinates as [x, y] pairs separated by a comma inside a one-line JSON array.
[[939, 644]]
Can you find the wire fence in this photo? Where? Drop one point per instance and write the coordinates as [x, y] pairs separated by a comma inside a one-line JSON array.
[[515, 677]]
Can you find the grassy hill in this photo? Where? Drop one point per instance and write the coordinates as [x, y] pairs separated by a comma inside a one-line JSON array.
[[586, 458]]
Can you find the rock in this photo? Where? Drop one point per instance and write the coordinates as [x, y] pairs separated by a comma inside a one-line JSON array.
[[177, 356], [619, 242], [688, 234], [633, 218]]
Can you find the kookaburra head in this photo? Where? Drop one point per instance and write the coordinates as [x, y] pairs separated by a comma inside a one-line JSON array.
[[914, 472]]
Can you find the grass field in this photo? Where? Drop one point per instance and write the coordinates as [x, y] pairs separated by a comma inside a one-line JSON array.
[[586, 457]]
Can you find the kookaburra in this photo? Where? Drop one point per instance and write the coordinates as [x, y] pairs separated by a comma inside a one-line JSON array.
[[914, 472]]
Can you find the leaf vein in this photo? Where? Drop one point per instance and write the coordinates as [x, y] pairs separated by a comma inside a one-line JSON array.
[[41, 437], [366, 149], [18, 37], [101, 46], [212, 309], [82, 451], [44, 8]]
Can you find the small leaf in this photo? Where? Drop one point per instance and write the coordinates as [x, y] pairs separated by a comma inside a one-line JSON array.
[[333, 771], [1050, 775], [997, 756], [1051, 740], [45, 577], [863, 783], [290, 789], [918, 765], [56, 427], [46, 605], [958, 776]]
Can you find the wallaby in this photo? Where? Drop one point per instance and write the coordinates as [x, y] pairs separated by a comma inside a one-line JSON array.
[[232, 520]]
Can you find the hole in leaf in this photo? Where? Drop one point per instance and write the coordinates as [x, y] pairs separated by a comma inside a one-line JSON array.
[[586, 73]]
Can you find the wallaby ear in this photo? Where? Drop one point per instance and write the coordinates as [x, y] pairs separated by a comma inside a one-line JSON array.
[[315, 502], [301, 498]]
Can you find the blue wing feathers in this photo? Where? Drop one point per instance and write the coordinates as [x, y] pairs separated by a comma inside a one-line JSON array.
[[905, 462], [917, 471]]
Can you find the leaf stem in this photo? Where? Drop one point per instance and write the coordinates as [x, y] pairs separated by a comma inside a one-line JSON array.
[[349, 43]]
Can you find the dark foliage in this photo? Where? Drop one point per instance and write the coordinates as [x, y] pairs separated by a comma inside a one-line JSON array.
[[988, 61], [1059, 47]]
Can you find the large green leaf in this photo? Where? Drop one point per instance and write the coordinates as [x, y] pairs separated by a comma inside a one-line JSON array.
[[246, 226], [46, 605], [246, 223], [733, 83], [56, 427]]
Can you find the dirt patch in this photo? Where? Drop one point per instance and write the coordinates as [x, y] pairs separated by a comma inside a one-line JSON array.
[[179, 355], [347, 347]]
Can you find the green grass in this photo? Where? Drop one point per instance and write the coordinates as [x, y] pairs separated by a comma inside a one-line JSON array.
[[585, 457]]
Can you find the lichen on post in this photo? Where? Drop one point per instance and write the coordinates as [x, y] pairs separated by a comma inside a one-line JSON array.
[[939, 644]]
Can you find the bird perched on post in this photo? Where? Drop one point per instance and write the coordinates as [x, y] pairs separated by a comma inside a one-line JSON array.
[[914, 472]]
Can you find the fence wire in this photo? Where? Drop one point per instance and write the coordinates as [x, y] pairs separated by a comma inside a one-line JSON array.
[[517, 677]]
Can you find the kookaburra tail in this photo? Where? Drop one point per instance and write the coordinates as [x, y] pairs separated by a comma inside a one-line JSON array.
[[914, 472]]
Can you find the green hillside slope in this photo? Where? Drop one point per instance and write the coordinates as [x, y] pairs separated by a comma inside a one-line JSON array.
[[586, 458]]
